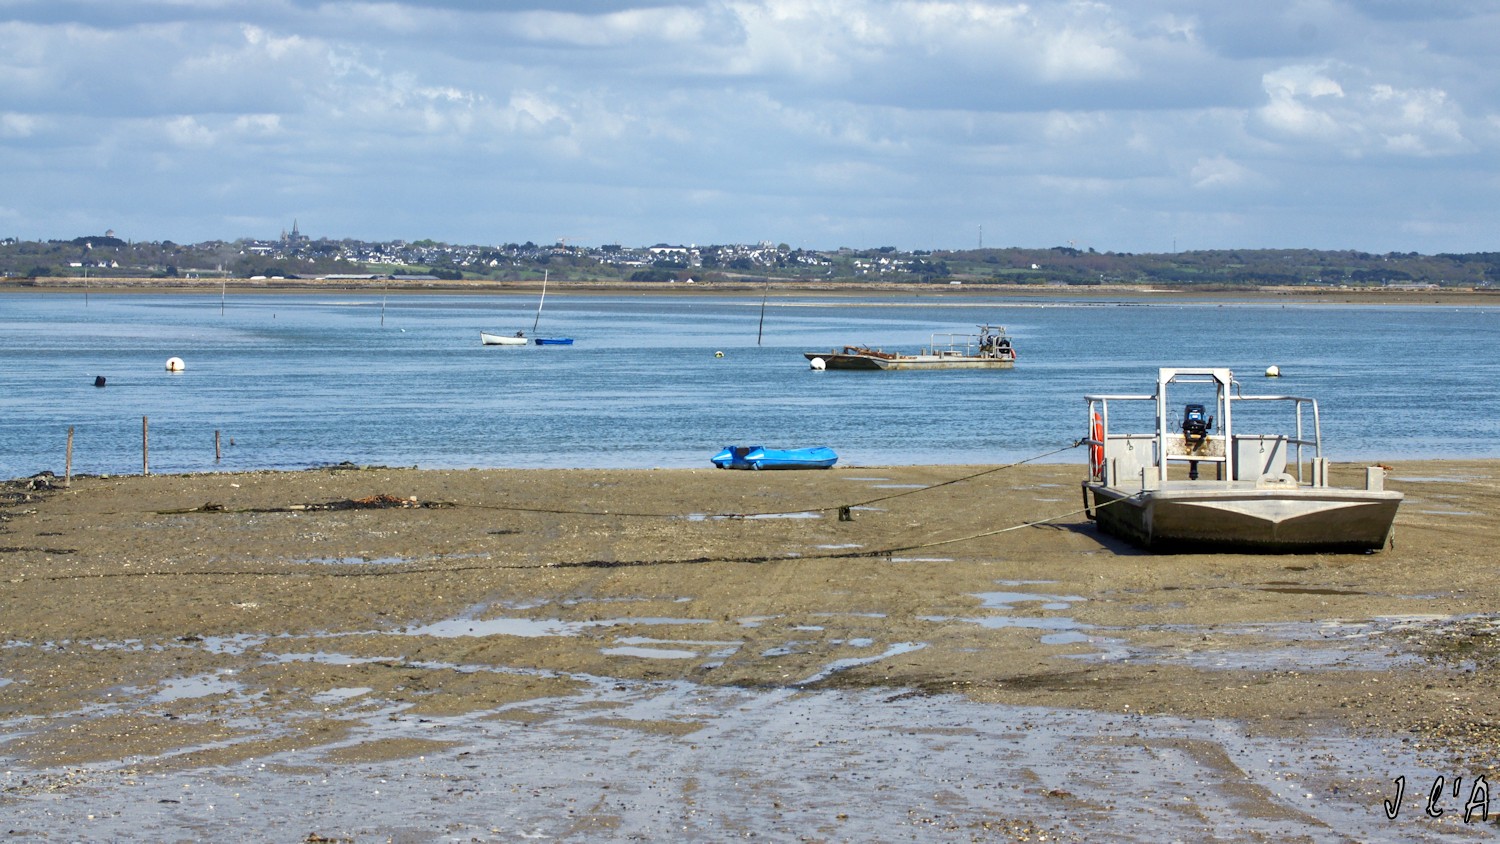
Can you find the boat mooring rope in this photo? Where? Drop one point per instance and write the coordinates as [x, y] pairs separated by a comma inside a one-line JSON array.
[[768, 514], [405, 570]]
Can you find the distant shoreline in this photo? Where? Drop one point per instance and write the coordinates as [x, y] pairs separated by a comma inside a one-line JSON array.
[[1381, 296]]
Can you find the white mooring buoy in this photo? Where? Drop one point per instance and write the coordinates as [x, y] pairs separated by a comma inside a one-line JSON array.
[[175, 365], [1273, 371], [818, 364]]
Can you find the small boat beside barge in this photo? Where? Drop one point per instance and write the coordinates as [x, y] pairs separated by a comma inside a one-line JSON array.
[[760, 457], [991, 348], [1268, 492], [489, 339]]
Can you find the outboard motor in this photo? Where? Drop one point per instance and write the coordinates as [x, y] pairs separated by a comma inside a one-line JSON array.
[[1195, 427], [1195, 424]]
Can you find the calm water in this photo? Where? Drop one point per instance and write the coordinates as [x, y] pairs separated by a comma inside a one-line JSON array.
[[305, 380]]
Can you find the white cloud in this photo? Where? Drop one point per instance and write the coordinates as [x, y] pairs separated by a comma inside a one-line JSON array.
[[187, 132], [18, 125], [1218, 172], [1359, 117], [658, 26], [1292, 107], [1082, 54], [897, 120]]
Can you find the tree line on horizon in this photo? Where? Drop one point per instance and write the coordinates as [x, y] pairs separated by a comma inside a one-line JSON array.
[[108, 256]]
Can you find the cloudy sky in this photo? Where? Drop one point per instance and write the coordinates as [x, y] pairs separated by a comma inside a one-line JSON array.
[[1127, 125]]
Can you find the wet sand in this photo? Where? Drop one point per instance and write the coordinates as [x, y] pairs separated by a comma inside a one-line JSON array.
[[412, 655]]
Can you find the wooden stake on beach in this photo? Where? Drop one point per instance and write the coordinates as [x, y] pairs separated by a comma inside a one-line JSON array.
[[145, 447], [68, 463]]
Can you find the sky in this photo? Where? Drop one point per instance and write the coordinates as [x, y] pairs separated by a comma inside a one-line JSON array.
[[1126, 126]]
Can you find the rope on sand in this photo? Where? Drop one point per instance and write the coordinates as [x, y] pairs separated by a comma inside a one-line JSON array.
[[839, 508], [405, 570]]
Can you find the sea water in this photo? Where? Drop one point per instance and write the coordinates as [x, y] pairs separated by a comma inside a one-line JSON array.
[[661, 380]]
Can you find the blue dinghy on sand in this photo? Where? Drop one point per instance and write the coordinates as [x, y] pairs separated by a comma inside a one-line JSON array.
[[760, 457]]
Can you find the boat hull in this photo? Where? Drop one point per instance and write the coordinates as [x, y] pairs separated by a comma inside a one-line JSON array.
[[759, 457], [553, 341], [839, 360], [489, 339], [1245, 518]]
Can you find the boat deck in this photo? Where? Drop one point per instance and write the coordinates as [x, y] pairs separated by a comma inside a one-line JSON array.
[[1262, 492]]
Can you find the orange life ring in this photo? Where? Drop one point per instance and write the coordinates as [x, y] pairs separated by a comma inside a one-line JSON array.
[[1096, 450]]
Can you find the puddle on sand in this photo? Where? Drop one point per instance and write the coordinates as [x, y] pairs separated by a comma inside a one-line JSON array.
[[648, 653], [1290, 646], [530, 627], [856, 661], [648, 648], [340, 695], [326, 658], [202, 685], [1006, 600], [788, 764], [997, 622]]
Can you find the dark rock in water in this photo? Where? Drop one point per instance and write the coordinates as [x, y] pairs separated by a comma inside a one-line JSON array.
[[99, 381]]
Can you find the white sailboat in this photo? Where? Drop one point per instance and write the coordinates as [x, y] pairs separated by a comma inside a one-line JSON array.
[[489, 338], [546, 341]]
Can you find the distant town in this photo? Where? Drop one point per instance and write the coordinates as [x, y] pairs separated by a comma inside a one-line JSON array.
[[294, 255]]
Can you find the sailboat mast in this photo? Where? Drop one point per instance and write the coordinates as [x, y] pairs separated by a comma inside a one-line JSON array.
[[759, 332], [539, 303]]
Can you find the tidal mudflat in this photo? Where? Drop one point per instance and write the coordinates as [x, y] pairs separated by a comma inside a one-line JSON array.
[[393, 654]]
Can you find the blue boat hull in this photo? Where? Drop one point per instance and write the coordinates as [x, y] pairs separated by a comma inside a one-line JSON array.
[[760, 457], [553, 341]]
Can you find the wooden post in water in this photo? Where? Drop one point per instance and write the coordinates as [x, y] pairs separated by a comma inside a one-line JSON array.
[[68, 463], [217, 453], [145, 447]]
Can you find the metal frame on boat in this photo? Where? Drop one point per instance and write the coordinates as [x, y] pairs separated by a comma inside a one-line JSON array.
[[1268, 492]]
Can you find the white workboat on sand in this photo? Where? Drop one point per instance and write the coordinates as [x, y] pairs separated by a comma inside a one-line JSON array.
[[1196, 483], [991, 348]]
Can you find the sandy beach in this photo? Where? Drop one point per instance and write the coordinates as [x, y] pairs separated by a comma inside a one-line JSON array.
[[1448, 296], [586, 632]]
